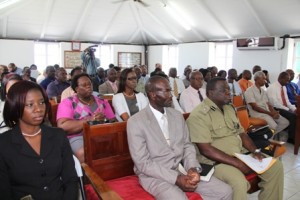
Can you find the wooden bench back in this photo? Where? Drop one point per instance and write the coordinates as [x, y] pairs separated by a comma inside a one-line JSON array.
[[106, 150]]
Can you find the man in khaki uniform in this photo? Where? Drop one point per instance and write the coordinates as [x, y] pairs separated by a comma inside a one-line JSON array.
[[218, 134]]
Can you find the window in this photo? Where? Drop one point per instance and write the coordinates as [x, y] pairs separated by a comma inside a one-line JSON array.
[[297, 58], [170, 57], [223, 55], [46, 54], [105, 54]]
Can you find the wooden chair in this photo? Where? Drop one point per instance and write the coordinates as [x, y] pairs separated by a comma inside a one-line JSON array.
[[297, 134], [108, 164], [52, 113]]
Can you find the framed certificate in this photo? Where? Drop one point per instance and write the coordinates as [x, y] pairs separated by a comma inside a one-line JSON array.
[[75, 46]]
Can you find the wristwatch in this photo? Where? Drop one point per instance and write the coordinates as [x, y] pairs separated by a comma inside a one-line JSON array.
[[198, 169], [257, 151]]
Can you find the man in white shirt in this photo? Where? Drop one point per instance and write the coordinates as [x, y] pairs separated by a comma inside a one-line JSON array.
[[176, 83], [194, 94], [278, 98], [259, 106], [235, 88]]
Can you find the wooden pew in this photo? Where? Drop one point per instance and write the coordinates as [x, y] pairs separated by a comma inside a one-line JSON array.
[[297, 134], [107, 158], [108, 163]]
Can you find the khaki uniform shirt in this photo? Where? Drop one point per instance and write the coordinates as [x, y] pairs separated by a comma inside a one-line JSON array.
[[208, 124]]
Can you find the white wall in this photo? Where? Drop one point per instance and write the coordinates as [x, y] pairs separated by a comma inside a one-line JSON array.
[[275, 61], [20, 52], [155, 54], [194, 54]]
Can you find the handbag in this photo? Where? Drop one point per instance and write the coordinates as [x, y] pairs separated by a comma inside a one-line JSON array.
[[260, 136]]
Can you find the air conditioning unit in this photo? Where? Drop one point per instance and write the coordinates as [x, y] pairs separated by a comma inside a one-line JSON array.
[[257, 43]]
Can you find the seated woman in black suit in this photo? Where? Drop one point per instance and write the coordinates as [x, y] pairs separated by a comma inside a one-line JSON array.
[[35, 160]]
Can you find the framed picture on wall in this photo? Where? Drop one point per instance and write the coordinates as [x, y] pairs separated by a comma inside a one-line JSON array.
[[129, 59]]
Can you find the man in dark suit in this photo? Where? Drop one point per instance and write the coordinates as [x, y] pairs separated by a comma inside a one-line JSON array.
[[164, 158], [98, 79]]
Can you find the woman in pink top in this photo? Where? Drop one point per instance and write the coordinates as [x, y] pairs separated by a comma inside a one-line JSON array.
[[82, 107]]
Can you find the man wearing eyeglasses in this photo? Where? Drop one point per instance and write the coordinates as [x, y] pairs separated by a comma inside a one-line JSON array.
[[164, 158]]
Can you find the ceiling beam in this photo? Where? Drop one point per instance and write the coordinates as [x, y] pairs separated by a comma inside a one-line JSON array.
[[82, 19], [153, 37], [257, 18], [134, 8], [134, 35], [158, 21], [4, 27], [205, 7], [14, 8], [48, 11], [111, 22]]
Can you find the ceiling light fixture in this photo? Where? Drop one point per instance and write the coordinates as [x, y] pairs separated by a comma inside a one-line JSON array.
[[179, 15], [7, 3]]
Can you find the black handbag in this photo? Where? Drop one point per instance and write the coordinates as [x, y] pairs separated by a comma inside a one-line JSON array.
[[260, 136]]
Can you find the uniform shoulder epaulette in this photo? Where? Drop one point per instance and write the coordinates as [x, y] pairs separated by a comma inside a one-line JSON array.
[[204, 108]]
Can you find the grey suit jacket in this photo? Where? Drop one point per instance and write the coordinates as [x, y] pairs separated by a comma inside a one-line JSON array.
[[106, 88], [154, 160]]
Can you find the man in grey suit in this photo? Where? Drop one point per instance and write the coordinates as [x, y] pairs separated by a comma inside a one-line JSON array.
[[111, 85], [162, 153]]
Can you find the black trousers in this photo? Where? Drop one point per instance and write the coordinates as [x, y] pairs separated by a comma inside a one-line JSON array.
[[291, 116]]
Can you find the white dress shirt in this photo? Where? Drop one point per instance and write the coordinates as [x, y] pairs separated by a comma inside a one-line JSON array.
[[189, 98], [237, 88], [179, 83], [274, 95]]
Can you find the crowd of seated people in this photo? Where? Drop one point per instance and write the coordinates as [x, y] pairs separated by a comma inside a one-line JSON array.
[[82, 97]]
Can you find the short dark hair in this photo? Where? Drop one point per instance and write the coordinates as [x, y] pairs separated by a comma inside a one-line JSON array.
[[8, 77], [211, 84], [123, 78], [75, 69], [150, 84], [15, 101], [74, 81]]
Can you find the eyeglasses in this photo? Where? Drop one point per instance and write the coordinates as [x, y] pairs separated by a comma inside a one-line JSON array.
[[132, 78], [165, 91]]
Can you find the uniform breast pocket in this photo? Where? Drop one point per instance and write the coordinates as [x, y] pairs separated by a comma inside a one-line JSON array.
[[218, 130]]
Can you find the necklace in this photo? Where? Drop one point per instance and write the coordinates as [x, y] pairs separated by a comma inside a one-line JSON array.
[[127, 95], [86, 102], [32, 135]]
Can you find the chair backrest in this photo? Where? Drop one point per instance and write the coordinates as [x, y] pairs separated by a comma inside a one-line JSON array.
[[238, 101], [106, 150], [52, 113], [243, 116]]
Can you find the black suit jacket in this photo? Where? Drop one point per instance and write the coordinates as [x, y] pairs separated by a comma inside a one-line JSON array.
[[50, 175]]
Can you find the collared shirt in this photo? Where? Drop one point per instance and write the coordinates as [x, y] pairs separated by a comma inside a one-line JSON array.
[[292, 90], [189, 98], [158, 116], [114, 86], [235, 88], [208, 124], [258, 96], [275, 99], [44, 83], [55, 88], [244, 84], [180, 85]]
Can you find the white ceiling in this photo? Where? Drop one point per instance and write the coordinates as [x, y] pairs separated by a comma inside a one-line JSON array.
[[130, 22]]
